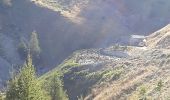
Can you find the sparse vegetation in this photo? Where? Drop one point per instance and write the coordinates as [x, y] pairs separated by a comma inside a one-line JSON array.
[[142, 93]]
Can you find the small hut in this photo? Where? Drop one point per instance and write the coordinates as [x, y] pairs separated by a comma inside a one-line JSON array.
[[137, 40]]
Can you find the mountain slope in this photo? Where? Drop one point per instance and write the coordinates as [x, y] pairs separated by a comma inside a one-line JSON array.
[[101, 22], [117, 72], [74, 25]]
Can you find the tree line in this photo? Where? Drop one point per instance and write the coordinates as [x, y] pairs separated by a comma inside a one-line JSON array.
[[25, 84]]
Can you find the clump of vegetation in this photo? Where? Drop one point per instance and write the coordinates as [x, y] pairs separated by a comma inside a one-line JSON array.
[[55, 88], [159, 88], [142, 93], [111, 74]]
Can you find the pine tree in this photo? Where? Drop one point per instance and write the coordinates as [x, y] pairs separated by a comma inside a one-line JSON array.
[[25, 85], [34, 44], [23, 50], [56, 90]]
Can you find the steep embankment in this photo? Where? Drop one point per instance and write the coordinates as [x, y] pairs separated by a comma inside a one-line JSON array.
[[118, 72]]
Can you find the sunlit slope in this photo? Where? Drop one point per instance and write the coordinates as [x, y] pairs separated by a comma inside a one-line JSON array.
[[160, 39], [68, 8], [139, 16], [116, 72]]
